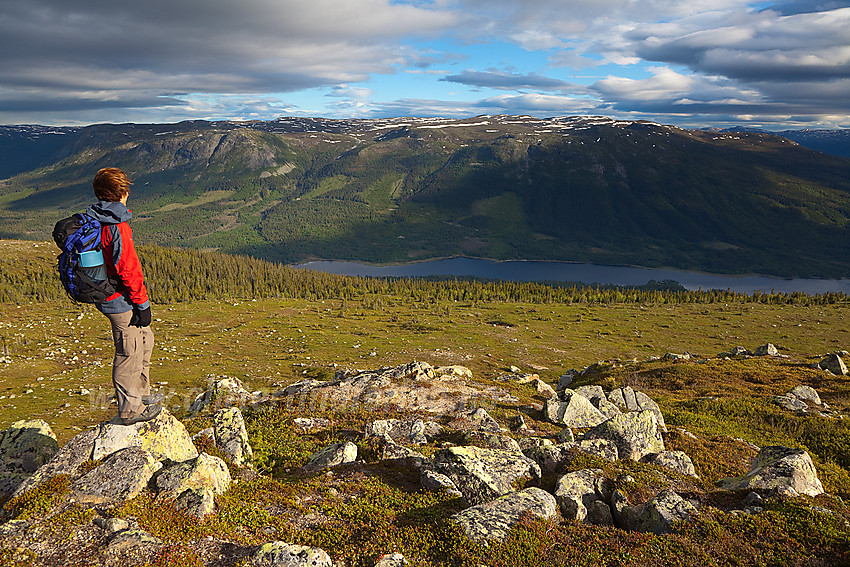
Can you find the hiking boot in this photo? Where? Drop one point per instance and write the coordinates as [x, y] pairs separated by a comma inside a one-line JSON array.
[[152, 399], [147, 414]]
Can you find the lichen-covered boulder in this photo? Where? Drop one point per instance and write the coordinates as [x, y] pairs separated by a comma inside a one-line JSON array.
[[786, 470], [576, 492], [490, 440], [766, 350], [493, 520], [391, 560], [572, 409], [627, 399], [659, 514], [164, 436], [120, 477], [550, 458], [24, 447], [67, 460], [410, 430], [197, 502], [204, 472], [224, 392], [636, 434], [604, 448], [791, 403], [474, 420], [484, 474], [231, 437], [432, 480], [806, 394], [675, 461], [282, 554], [835, 364], [332, 456]]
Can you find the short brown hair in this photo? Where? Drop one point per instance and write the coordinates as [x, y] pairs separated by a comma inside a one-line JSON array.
[[111, 184]]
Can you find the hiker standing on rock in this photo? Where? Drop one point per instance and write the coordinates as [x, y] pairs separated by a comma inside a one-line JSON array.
[[128, 309]]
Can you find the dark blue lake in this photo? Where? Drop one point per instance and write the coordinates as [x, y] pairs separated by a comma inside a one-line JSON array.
[[574, 272]]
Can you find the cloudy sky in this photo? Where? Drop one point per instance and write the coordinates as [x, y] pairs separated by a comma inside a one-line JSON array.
[[775, 65]]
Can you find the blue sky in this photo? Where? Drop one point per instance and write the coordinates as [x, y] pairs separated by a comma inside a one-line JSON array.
[[775, 65]]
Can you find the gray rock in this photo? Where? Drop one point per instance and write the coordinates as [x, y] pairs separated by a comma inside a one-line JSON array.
[[550, 458], [636, 434], [197, 502], [565, 436], [599, 514], [791, 403], [766, 350], [475, 419], [806, 394], [24, 447], [782, 469], [543, 388], [395, 452], [391, 560], [332, 456], [67, 460], [575, 492], [432, 480], [605, 407], [165, 437], [282, 554], [204, 472], [567, 378], [592, 393], [231, 436], [120, 477], [660, 513], [491, 440], [835, 364], [123, 540], [604, 448], [311, 424], [484, 474], [410, 430], [572, 409], [224, 392], [491, 521], [112, 525], [626, 399], [675, 461]]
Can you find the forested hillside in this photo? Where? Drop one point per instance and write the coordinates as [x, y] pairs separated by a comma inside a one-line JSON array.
[[500, 187]]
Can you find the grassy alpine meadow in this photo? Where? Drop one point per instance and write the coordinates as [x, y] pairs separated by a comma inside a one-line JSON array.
[[270, 325]]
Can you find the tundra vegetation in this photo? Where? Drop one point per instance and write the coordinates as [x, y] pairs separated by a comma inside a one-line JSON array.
[[270, 326]]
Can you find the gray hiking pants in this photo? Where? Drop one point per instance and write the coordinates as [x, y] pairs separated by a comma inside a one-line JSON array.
[[130, 367]]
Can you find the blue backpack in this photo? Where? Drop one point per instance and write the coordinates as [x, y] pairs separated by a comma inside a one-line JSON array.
[[81, 268]]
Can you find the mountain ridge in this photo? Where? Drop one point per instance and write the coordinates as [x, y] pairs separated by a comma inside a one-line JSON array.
[[591, 189]]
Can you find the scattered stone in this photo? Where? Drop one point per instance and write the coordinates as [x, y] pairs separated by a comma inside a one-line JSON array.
[[675, 461], [491, 440], [67, 460], [572, 409], [411, 430], [778, 468], [395, 452], [224, 392], [311, 424], [24, 447], [282, 554], [484, 474], [120, 477], [566, 379], [518, 377], [635, 434], [791, 403], [196, 502], [659, 514], [676, 357], [835, 364], [493, 520], [332, 456], [165, 437], [766, 350], [626, 399], [112, 525], [565, 436], [204, 472], [231, 437], [550, 458], [577, 491], [543, 388], [432, 480], [475, 419], [391, 560], [806, 394], [125, 539]]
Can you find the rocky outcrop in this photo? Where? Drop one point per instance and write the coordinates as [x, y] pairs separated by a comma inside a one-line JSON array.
[[474, 420], [492, 520], [804, 399], [24, 447], [675, 461], [231, 437], [627, 399], [572, 409], [766, 350], [205, 471], [484, 474], [786, 471], [68, 460], [414, 431], [282, 554], [223, 392], [635, 434]]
